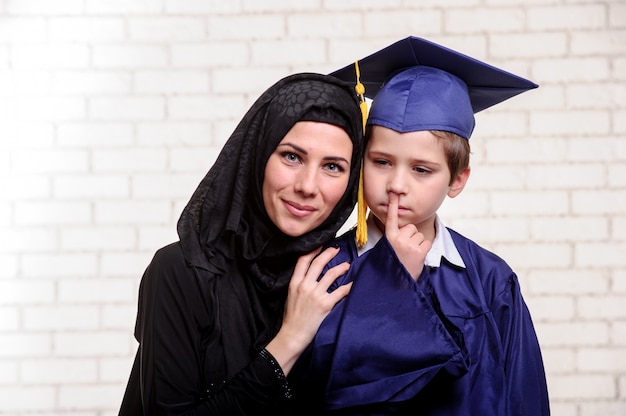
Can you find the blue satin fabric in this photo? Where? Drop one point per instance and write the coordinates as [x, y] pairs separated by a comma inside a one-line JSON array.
[[424, 98], [456, 342], [384, 320]]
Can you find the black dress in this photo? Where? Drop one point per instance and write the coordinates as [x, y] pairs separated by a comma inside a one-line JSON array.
[[174, 326]]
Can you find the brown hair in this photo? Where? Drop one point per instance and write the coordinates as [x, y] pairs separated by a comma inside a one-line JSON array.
[[457, 151]]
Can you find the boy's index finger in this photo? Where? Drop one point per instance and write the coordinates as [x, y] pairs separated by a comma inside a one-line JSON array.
[[392, 212]]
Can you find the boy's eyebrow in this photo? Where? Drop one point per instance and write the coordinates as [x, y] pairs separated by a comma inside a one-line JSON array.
[[379, 153], [303, 151]]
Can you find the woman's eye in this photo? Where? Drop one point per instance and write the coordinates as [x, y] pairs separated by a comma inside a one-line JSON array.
[[335, 168], [290, 156]]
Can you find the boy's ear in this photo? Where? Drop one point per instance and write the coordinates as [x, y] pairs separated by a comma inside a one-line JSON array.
[[459, 183]]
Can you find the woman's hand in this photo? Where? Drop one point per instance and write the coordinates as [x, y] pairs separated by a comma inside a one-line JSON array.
[[308, 303]]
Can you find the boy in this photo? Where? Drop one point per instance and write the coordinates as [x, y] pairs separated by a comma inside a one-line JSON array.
[[434, 324]]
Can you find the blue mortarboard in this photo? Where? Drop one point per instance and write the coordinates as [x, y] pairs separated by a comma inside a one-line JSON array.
[[420, 85]]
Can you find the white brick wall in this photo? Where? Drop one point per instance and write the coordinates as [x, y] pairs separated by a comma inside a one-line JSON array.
[[112, 111]]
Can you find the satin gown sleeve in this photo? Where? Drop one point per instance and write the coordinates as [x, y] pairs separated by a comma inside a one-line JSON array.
[[393, 320], [381, 345], [167, 378], [524, 377], [507, 374]]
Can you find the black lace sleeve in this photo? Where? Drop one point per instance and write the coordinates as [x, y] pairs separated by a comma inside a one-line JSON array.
[[261, 385], [280, 375]]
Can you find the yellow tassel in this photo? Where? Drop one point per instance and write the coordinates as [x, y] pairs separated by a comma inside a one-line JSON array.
[[361, 223]]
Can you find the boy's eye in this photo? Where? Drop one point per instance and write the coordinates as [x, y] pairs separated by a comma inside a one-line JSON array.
[[381, 162], [421, 169]]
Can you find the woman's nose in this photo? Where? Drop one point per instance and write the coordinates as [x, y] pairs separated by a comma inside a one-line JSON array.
[[306, 182]]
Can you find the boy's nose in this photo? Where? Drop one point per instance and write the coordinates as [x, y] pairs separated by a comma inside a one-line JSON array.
[[397, 183]]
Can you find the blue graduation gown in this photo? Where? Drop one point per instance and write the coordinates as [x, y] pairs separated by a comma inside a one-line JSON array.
[[459, 341]]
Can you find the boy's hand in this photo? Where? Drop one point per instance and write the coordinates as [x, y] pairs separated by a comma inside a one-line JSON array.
[[408, 243]]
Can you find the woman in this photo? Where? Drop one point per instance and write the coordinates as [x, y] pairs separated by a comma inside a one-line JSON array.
[[217, 332]]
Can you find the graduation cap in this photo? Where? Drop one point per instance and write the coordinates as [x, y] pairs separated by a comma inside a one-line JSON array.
[[487, 85], [418, 85]]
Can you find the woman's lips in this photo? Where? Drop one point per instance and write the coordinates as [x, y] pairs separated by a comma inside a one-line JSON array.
[[298, 210]]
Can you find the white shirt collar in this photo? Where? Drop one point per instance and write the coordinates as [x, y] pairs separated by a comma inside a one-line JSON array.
[[443, 245]]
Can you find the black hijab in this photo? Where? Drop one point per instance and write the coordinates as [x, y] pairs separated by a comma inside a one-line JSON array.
[[242, 261]]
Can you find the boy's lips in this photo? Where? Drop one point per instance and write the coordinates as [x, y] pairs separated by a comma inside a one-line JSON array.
[[400, 208]]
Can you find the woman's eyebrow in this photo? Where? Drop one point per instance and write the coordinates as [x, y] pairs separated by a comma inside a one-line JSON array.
[[336, 159], [298, 148], [303, 151]]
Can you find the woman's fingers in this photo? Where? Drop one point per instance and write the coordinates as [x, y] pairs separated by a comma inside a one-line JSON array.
[[320, 261], [302, 266], [332, 274], [309, 276]]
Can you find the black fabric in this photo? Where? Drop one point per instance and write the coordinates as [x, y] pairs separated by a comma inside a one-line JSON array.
[[209, 303]]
